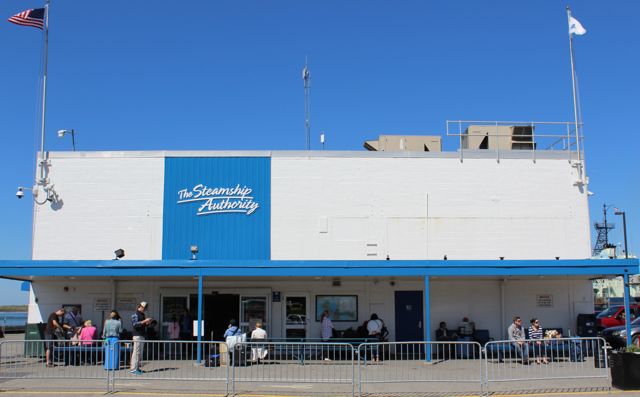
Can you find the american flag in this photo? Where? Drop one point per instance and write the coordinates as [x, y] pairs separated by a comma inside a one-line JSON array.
[[33, 18]]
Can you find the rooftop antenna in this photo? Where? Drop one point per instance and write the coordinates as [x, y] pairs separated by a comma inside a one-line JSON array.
[[602, 228], [306, 77]]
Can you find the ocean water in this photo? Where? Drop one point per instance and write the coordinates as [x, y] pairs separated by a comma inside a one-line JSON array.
[[13, 320]]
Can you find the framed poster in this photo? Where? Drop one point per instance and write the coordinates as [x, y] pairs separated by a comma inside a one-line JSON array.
[[340, 307]]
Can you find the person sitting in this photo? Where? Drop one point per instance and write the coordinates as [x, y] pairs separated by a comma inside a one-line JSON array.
[[444, 335], [87, 334], [466, 329], [536, 334], [561, 347], [517, 339], [258, 353]]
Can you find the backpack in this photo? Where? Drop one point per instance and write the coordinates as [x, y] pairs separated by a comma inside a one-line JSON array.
[[383, 336]]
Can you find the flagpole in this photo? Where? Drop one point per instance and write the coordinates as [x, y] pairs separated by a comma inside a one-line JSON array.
[[575, 96], [42, 178]]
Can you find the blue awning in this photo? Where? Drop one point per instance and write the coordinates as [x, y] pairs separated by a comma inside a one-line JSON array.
[[316, 268]]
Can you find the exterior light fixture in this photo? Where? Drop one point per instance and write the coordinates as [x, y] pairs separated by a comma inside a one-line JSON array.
[[194, 252], [624, 227], [62, 133], [119, 253]]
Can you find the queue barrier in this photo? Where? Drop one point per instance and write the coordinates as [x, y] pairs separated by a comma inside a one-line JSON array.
[[346, 368]]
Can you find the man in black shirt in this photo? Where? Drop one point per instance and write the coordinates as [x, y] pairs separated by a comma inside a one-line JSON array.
[[54, 330], [139, 324]]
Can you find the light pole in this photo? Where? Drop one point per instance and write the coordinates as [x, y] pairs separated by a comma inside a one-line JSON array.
[[624, 229]]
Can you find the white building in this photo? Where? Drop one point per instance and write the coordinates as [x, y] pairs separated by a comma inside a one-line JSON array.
[[487, 234]]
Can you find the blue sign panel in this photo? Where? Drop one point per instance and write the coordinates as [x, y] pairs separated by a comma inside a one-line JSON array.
[[222, 205]]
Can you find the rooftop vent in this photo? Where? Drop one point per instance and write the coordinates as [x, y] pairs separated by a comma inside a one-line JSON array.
[[405, 143]]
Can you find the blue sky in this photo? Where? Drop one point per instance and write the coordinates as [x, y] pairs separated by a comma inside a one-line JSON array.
[[219, 75]]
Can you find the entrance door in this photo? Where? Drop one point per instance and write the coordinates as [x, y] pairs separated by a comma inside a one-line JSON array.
[[295, 314], [253, 309], [218, 310], [409, 312], [172, 306]]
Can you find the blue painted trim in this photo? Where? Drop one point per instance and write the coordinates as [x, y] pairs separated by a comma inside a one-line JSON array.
[[427, 316], [268, 268], [627, 308]]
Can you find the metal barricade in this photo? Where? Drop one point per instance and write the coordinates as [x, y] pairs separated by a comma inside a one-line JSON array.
[[420, 362], [173, 361], [465, 366], [290, 362], [51, 359], [545, 359]]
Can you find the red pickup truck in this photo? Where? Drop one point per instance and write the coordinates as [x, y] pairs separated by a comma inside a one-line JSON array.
[[612, 317]]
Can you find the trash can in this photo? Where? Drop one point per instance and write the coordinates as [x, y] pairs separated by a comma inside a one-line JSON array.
[[112, 354], [33, 336]]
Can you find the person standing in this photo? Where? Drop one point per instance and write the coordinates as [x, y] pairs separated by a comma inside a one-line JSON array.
[[326, 330], [174, 329], [536, 334], [113, 326], [54, 330], [326, 333], [186, 325], [374, 326], [73, 319], [516, 336], [111, 334], [139, 324]]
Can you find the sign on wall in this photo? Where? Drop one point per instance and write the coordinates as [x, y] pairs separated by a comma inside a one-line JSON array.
[[544, 300], [222, 205]]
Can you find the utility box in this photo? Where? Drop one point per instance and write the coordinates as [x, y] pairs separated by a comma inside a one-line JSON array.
[[33, 340]]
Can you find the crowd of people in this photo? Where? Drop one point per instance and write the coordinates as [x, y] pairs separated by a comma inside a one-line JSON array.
[[528, 344]]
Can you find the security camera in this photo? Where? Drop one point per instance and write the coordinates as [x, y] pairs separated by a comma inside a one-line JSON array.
[[20, 193]]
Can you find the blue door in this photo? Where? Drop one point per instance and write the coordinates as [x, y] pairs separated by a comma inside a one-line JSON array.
[[409, 314]]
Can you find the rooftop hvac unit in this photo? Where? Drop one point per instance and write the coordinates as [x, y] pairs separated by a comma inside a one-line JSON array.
[[501, 137], [405, 143]]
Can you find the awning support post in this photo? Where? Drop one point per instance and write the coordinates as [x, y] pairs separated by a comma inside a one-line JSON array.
[[627, 309], [427, 318], [199, 331]]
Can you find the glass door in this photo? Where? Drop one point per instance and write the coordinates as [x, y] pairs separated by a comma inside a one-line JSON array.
[[172, 306], [252, 310], [295, 317]]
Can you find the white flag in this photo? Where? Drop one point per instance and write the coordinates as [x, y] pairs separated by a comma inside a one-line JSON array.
[[576, 27]]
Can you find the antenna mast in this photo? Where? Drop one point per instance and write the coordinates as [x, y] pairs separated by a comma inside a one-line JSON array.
[[602, 228], [306, 77]]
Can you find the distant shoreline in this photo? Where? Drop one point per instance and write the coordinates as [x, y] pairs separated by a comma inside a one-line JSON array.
[[14, 308]]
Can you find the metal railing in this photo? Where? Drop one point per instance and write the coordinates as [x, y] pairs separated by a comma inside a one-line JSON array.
[[419, 362], [290, 362], [467, 365], [545, 359], [545, 136]]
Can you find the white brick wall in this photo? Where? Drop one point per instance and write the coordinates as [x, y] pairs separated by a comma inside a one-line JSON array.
[[424, 208], [107, 203]]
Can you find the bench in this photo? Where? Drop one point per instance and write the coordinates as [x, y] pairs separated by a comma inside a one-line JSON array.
[[304, 349], [80, 354]]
